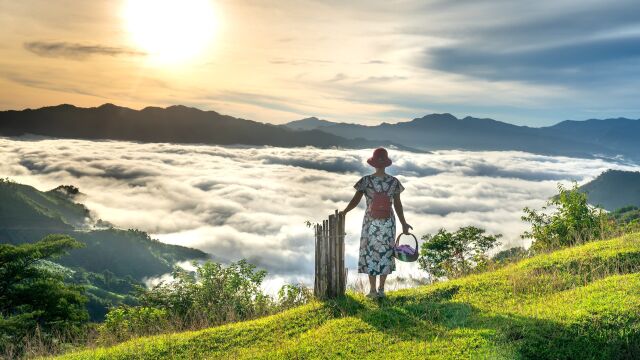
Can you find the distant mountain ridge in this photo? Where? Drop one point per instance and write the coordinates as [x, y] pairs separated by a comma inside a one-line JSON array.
[[177, 124], [614, 189], [310, 123], [610, 137], [180, 124]]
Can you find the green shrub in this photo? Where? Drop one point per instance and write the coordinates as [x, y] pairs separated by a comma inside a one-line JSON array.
[[214, 294], [573, 221], [451, 255], [211, 295], [510, 255], [293, 295], [128, 321]]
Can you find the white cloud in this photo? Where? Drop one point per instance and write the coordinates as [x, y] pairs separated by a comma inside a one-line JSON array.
[[239, 202]]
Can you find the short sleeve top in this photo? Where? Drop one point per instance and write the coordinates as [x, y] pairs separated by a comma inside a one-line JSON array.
[[371, 184]]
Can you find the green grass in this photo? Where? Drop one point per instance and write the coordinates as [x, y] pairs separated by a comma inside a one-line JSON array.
[[578, 303]]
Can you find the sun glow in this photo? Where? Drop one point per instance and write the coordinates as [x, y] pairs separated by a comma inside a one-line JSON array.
[[171, 31]]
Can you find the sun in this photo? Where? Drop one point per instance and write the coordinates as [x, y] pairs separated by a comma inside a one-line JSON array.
[[171, 31]]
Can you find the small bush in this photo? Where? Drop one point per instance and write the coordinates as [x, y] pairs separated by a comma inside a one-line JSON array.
[[210, 296], [572, 222], [293, 295], [510, 255], [451, 255], [127, 321]]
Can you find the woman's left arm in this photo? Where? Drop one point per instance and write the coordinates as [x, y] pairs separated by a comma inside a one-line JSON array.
[[397, 204]]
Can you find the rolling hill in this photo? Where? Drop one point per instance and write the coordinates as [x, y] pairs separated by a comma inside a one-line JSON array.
[[609, 137], [614, 189], [176, 124], [576, 303], [27, 215], [113, 260]]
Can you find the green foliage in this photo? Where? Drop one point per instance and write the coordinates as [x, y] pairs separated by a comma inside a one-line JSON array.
[[113, 260], [214, 294], [33, 293], [451, 255], [573, 221], [510, 255], [27, 213], [576, 303], [104, 291], [127, 252], [627, 219], [626, 214], [126, 321], [290, 296]]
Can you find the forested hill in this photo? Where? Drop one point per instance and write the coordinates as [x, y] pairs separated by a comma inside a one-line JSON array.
[[112, 261], [614, 189], [27, 215]]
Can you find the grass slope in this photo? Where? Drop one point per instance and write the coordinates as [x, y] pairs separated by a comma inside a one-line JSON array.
[[582, 302]]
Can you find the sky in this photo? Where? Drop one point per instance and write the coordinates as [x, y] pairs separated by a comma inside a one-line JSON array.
[[525, 62], [183, 194]]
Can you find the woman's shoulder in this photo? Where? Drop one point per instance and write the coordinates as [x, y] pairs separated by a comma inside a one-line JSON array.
[[392, 180]]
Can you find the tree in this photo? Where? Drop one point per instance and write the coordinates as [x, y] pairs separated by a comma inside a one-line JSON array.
[[33, 293], [450, 255], [572, 222]]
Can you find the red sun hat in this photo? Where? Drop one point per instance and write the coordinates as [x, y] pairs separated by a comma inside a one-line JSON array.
[[379, 159]]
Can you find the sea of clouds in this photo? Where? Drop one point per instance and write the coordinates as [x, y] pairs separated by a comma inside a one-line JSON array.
[[241, 202]]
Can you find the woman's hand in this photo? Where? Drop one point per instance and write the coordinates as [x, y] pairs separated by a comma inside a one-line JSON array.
[[405, 228]]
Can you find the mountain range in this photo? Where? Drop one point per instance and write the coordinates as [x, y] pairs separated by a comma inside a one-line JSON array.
[[611, 138], [608, 138], [175, 124]]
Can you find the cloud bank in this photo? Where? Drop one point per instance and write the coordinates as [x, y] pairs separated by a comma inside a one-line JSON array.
[[239, 202]]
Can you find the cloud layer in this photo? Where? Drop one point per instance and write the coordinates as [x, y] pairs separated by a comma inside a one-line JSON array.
[[238, 202]]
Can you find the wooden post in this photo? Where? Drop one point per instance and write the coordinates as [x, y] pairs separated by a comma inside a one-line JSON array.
[[330, 273]]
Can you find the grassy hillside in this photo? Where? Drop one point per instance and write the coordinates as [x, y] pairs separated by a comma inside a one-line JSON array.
[[582, 302]]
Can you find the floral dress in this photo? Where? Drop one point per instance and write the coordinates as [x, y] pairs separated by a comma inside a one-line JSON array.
[[378, 235]]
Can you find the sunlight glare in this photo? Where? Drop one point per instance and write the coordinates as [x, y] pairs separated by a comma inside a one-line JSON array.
[[171, 31]]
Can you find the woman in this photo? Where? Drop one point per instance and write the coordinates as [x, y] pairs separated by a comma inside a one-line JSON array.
[[379, 225]]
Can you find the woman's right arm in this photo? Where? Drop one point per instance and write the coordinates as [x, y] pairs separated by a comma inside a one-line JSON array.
[[353, 203]]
